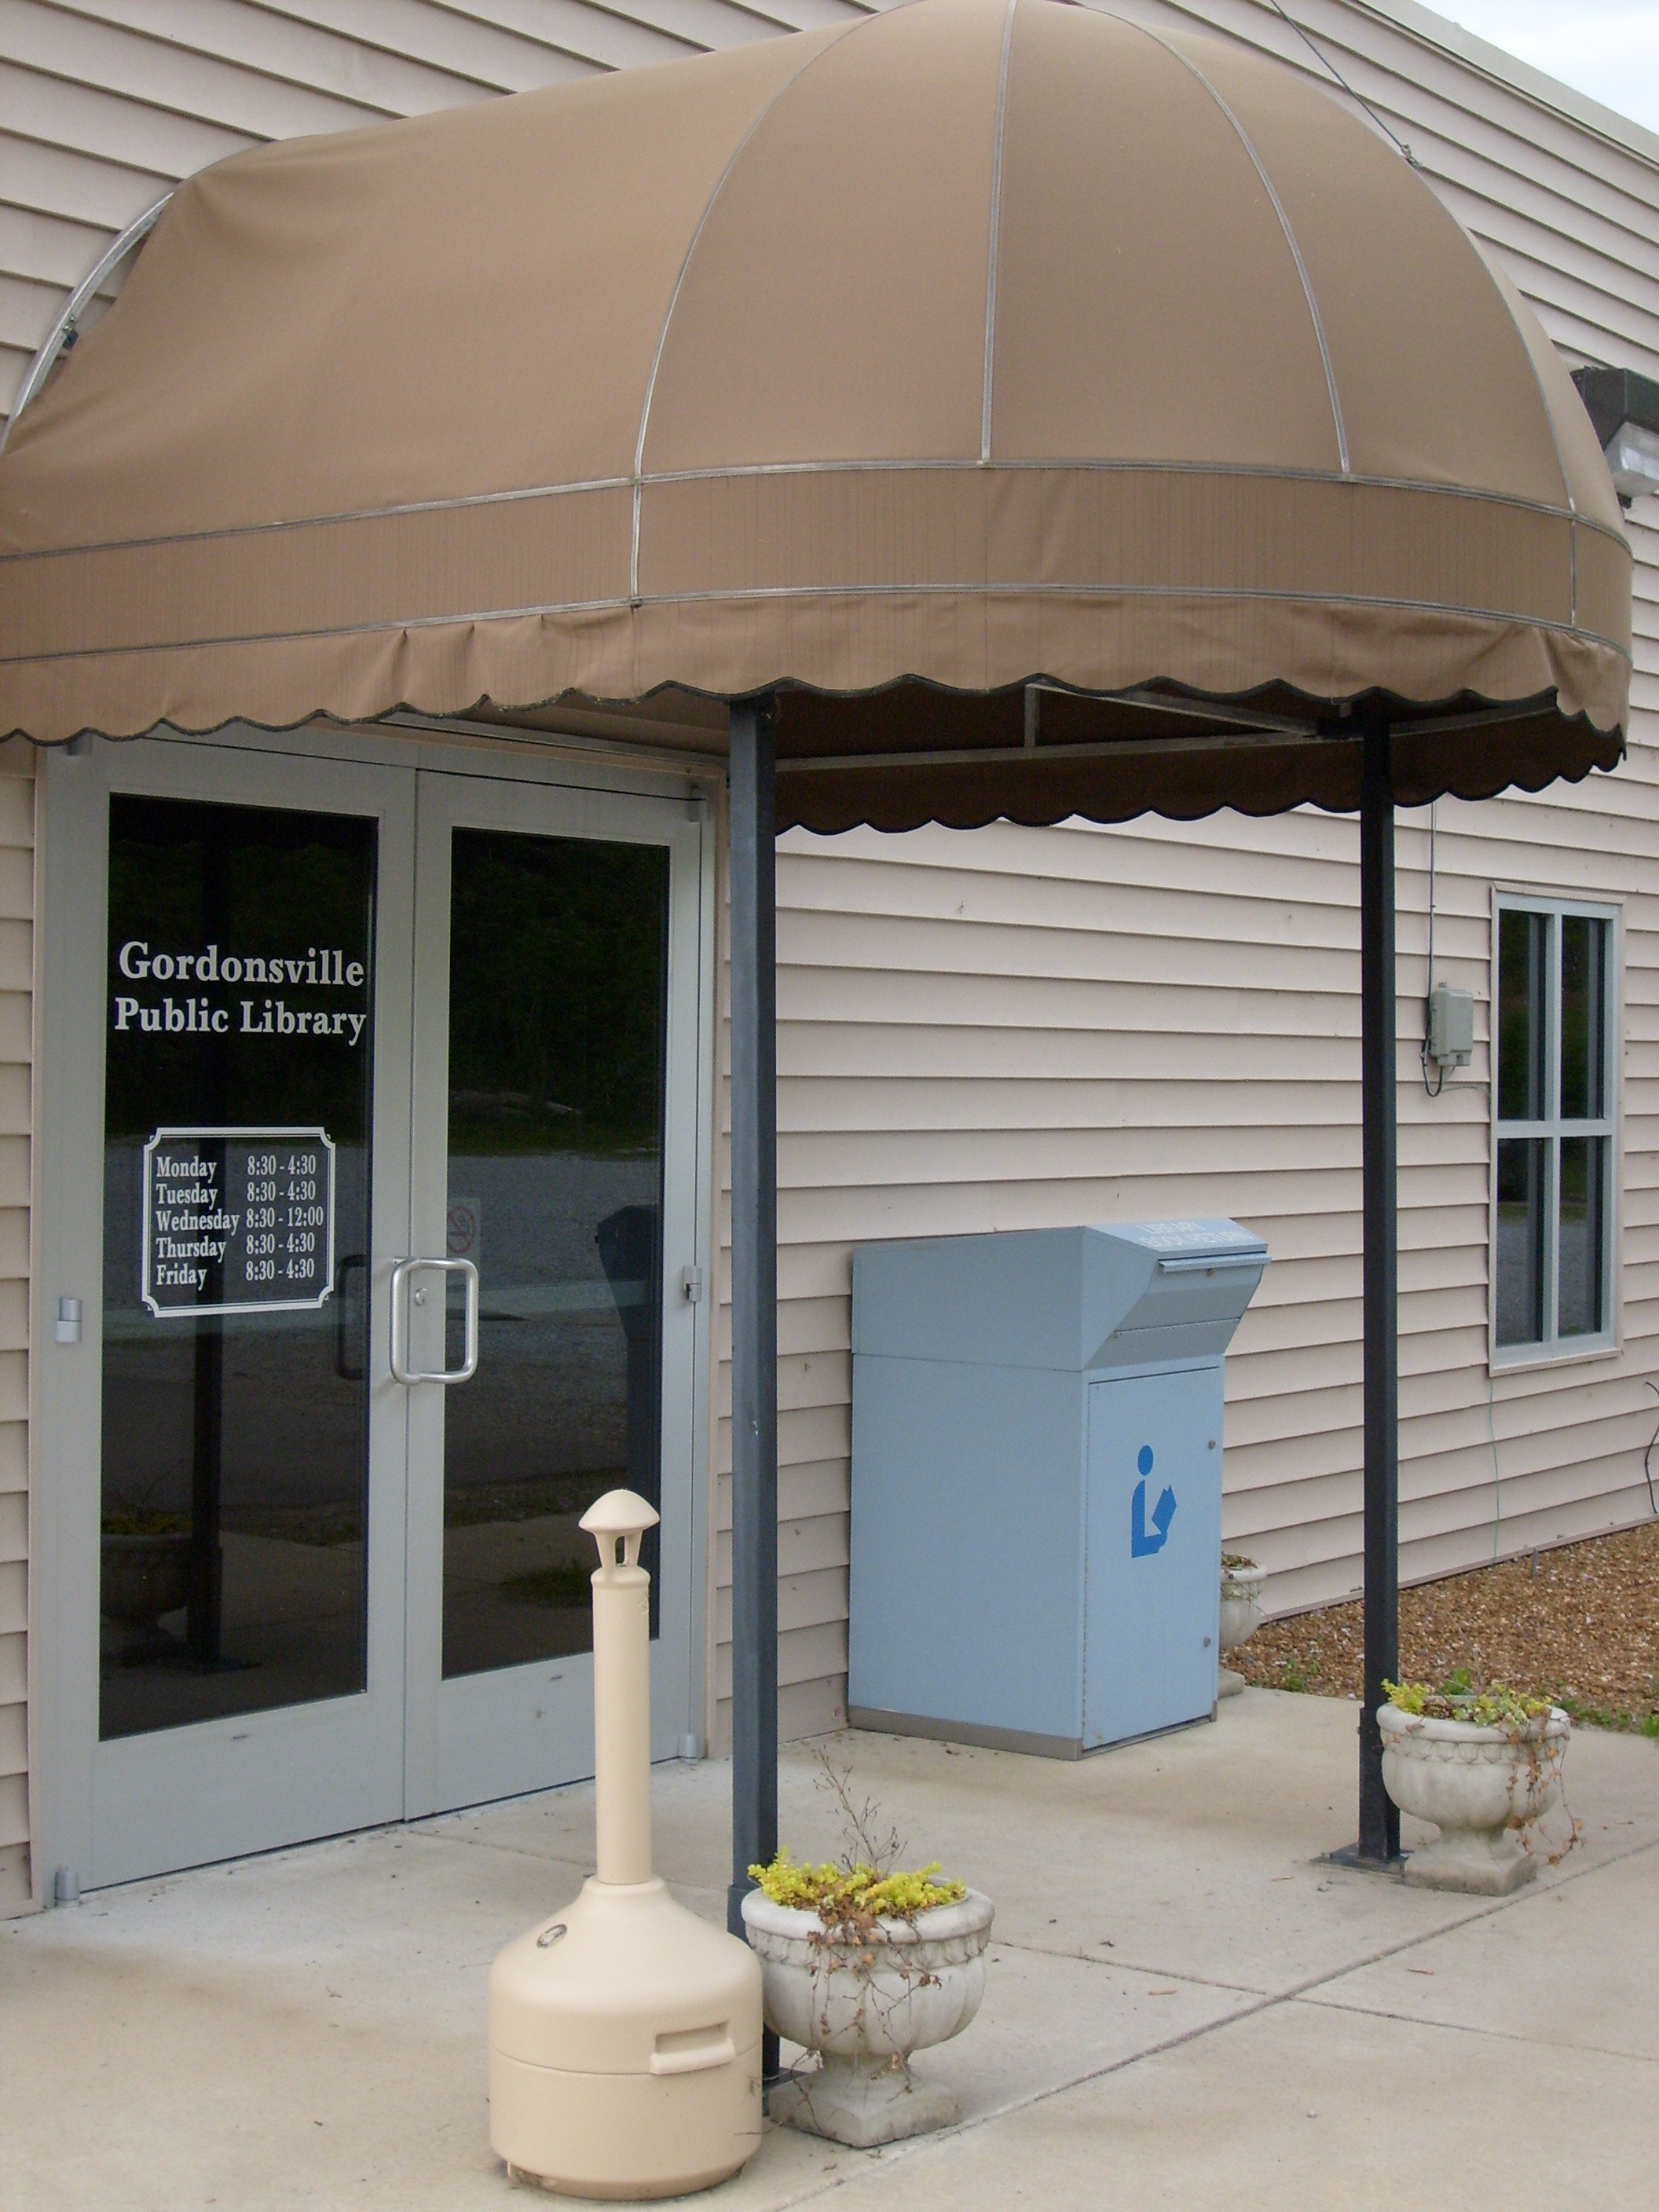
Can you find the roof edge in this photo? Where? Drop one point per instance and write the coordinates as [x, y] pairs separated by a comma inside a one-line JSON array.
[[1515, 75]]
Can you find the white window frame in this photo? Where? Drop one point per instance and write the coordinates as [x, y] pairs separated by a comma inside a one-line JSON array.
[[1553, 1349]]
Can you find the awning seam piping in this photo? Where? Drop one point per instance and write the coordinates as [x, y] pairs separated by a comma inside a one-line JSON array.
[[736, 156], [1245, 472], [994, 241], [1504, 282], [1268, 186]]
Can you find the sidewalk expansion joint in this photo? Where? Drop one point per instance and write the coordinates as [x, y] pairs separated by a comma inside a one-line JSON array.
[[1475, 2027]]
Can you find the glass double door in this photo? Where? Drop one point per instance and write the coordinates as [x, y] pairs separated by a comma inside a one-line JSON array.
[[400, 1139]]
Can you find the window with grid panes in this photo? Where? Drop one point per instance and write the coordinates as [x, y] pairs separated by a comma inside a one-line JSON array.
[[1552, 1048]]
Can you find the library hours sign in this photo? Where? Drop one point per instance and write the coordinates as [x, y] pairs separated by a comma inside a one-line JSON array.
[[238, 1220]]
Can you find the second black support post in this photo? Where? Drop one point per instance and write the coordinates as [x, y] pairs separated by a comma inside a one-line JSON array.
[[754, 1306], [1379, 1820]]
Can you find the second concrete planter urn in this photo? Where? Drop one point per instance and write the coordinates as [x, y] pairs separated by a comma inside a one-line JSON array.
[[1240, 1614], [1482, 1787], [863, 2002]]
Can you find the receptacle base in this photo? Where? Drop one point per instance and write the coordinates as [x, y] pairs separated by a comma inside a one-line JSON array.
[[624, 2135]]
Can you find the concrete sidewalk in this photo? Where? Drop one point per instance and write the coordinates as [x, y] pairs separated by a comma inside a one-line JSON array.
[[1186, 2008]]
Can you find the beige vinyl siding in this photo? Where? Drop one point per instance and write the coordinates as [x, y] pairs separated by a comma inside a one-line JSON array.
[[16, 1041], [1077, 1024], [1030, 1026]]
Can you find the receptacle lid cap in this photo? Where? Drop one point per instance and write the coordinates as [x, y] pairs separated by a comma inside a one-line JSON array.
[[619, 1513]]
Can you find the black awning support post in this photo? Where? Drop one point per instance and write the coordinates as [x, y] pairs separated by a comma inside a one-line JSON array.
[[754, 1306], [1379, 1820]]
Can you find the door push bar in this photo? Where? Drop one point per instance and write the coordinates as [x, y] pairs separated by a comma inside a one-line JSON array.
[[403, 1297]]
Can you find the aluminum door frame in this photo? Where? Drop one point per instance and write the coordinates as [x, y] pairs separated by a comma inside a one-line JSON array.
[[145, 1804], [507, 1730]]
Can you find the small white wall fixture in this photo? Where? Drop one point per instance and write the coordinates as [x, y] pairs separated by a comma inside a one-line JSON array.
[[625, 2032]]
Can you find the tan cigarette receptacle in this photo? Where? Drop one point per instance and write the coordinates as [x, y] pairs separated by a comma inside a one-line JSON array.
[[624, 2032]]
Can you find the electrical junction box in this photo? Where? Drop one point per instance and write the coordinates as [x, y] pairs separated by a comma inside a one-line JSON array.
[[1451, 1026], [1037, 1480]]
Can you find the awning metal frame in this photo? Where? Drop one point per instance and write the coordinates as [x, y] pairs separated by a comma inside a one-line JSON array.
[[1247, 727], [67, 327]]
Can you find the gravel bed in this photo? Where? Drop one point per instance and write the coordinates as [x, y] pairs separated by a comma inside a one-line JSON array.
[[1579, 1624]]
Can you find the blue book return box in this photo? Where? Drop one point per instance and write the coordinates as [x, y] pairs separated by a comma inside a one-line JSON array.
[[1037, 1480]]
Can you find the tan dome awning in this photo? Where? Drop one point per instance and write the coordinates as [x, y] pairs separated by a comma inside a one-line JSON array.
[[978, 346]]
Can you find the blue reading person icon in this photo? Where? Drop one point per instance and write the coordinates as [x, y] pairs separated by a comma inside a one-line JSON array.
[[1142, 1541]]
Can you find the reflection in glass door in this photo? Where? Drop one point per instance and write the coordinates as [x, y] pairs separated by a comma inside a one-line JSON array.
[[558, 971], [236, 1165], [556, 1150]]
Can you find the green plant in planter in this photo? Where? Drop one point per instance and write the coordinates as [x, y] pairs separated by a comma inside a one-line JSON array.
[[840, 1894], [1496, 1706], [849, 1895]]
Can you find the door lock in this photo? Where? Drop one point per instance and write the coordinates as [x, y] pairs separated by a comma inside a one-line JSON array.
[[406, 1292]]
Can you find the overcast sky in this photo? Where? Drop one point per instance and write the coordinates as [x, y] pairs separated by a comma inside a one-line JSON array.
[[1607, 48]]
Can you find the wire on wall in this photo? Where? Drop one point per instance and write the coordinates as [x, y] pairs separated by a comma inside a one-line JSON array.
[[1435, 1088], [1326, 63]]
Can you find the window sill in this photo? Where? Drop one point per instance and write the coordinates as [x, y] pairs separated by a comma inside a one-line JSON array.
[[1530, 1358]]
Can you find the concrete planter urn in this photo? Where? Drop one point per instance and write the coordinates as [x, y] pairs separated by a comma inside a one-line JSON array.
[[1240, 1616], [863, 2002], [1482, 1787]]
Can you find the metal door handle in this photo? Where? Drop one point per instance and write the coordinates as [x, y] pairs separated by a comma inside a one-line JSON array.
[[401, 1274]]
